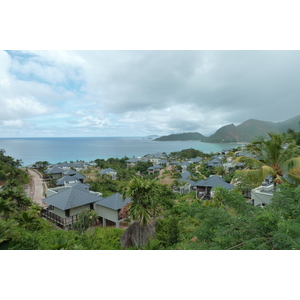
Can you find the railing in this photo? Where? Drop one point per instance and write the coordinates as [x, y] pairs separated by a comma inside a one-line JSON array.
[[59, 220]]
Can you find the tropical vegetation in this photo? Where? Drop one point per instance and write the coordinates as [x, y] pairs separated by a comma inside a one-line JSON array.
[[226, 222]]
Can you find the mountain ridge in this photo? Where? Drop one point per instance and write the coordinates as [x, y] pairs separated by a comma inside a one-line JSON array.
[[244, 132]]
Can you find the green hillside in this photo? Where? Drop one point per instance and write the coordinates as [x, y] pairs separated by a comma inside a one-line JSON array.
[[186, 136], [245, 132], [228, 133]]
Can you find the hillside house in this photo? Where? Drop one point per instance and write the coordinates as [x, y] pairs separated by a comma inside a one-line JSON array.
[[132, 162], [204, 187], [65, 206], [213, 163], [55, 172], [111, 172], [108, 208], [153, 169]]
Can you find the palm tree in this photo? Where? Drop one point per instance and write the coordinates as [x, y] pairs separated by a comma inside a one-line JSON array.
[[144, 201], [277, 157]]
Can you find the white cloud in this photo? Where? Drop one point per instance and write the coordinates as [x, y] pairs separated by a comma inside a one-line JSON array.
[[13, 123], [22, 107], [90, 121]]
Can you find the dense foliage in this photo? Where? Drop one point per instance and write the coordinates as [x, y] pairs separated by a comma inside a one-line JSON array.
[[186, 136]]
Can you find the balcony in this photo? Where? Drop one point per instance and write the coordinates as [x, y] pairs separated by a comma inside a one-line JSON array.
[[62, 222]]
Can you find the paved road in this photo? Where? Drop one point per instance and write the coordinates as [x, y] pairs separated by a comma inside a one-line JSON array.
[[38, 192]]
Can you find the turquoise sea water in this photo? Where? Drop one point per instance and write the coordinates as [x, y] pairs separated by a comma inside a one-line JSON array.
[[56, 150]]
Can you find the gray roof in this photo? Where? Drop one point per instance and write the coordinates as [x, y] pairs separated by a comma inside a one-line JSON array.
[[132, 160], [80, 185], [162, 161], [72, 197], [191, 182], [185, 174], [195, 160], [105, 171], [77, 165], [186, 163], [174, 162], [155, 167], [215, 181], [64, 179], [55, 170], [70, 172], [244, 153], [79, 176], [114, 202]]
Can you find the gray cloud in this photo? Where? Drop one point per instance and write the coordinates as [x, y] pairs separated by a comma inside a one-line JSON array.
[[243, 83], [145, 92]]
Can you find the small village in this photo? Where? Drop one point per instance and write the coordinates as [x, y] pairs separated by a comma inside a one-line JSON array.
[[159, 201]]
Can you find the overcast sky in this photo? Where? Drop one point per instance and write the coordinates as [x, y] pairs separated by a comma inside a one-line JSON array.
[[140, 93]]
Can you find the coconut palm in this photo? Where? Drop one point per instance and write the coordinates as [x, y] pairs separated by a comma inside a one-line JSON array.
[[144, 201], [276, 156]]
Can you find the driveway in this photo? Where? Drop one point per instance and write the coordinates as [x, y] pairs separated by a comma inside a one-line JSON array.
[[37, 194]]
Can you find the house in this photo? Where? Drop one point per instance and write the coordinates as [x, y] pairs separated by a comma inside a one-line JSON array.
[[163, 162], [70, 172], [110, 172], [78, 166], [108, 208], [79, 177], [155, 158], [185, 174], [262, 195], [244, 153], [153, 169], [174, 163], [132, 162], [55, 172], [65, 206], [195, 160], [214, 162], [232, 165], [58, 189], [70, 179], [184, 166], [204, 187]]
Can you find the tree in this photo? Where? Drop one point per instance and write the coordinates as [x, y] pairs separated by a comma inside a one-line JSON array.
[[144, 201], [275, 157], [85, 220], [41, 165], [5, 229]]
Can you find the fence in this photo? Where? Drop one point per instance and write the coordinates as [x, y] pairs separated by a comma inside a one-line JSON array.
[[59, 220]]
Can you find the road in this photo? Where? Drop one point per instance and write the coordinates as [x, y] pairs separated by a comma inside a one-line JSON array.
[[37, 189]]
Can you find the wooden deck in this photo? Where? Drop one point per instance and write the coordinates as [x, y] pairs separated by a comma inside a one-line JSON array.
[[63, 222]]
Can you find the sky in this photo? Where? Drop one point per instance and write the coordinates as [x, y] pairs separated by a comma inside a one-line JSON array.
[[140, 93]]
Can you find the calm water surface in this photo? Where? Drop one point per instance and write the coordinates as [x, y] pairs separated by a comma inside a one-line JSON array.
[[55, 150]]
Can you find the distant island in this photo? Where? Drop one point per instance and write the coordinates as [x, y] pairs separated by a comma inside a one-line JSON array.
[[245, 132], [186, 136]]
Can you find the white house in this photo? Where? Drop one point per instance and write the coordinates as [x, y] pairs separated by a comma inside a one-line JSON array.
[[262, 195]]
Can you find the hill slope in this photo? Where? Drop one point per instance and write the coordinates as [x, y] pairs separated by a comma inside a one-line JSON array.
[[245, 132], [186, 136]]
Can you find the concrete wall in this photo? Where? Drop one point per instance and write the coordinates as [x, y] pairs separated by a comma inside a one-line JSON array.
[[73, 211], [59, 212], [78, 210], [106, 213], [262, 194]]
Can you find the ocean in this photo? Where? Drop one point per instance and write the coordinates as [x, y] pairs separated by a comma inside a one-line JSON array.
[[55, 150]]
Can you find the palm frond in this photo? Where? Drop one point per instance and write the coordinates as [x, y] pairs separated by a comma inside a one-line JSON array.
[[254, 176], [290, 164], [250, 161]]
